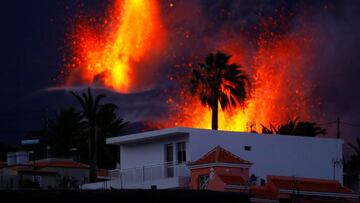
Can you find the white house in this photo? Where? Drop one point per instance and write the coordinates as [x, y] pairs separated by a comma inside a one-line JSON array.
[[159, 158]]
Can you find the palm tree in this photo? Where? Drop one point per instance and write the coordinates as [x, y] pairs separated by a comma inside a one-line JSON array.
[[90, 109], [352, 166], [357, 147], [66, 125], [217, 81], [295, 127], [109, 124]]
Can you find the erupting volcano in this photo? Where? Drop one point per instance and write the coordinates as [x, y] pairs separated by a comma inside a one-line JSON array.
[[279, 90], [112, 52], [125, 43]]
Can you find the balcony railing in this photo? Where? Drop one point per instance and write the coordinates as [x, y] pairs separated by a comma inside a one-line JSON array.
[[150, 173]]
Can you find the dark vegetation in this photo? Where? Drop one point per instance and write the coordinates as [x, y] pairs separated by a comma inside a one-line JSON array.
[[296, 128], [352, 166], [81, 133]]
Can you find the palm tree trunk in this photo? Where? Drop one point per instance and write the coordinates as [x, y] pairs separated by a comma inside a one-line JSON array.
[[96, 153], [214, 116], [89, 155], [92, 169]]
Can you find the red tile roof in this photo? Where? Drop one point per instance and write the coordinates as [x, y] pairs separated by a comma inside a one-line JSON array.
[[220, 155], [19, 167], [307, 184], [61, 164], [232, 179]]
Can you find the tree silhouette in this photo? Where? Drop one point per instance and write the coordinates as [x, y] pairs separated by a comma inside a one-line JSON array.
[[90, 108], [352, 166], [216, 81], [295, 127], [109, 124], [101, 121], [63, 129]]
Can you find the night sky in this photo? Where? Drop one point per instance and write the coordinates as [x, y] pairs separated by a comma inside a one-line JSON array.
[[32, 47]]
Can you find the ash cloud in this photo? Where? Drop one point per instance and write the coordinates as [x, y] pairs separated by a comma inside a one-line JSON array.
[[337, 66]]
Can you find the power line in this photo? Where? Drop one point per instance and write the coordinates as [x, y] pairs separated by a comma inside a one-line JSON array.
[[351, 124], [328, 123]]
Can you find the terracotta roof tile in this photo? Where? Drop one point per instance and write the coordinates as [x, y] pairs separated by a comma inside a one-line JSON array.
[[307, 184], [219, 154], [61, 164]]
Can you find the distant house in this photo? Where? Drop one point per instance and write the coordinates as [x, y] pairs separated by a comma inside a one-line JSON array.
[[161, 158], [21, 177], [19, 172]]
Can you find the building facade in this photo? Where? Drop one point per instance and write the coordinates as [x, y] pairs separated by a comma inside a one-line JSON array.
[[159, 159]]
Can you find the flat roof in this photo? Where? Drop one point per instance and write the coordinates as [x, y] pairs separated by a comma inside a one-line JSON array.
[[148, 135], [170, 132]]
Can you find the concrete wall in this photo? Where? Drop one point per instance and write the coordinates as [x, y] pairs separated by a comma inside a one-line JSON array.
[[148, 153], [175, 182], [275, 155]]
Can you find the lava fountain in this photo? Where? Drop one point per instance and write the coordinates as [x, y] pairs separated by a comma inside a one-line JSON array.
[[109, 50], [279, 89], [117, 50]]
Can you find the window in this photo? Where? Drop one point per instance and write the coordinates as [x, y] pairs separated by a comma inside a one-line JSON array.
[[169, 160], [247, 148], [181, 152], [37, 179], [203, 181]]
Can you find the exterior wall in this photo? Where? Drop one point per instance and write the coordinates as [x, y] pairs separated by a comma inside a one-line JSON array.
[[243, 172], [216, 183], [274, 155], [78, 173], [47, 181], [175, 182], [9, 179], [195, 173], [148, 153]]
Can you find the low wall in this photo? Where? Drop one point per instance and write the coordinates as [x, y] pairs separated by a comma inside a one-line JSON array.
[[124, 196]]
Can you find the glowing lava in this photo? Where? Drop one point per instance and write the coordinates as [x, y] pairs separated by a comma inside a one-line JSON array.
[[279, 90], [109, 50]]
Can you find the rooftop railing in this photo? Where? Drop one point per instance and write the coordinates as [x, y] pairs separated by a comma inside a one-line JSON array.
[[150, 173]]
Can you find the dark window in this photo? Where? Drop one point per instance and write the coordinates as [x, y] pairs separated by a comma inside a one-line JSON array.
[[247, 148], [169, 160], [203, 181], [181, 152]]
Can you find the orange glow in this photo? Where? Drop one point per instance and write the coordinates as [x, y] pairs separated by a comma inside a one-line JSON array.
[[112, 54], [279, 90]]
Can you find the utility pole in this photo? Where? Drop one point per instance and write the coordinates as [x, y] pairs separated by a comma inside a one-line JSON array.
[[338, 128]]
